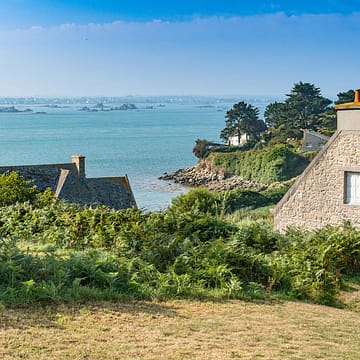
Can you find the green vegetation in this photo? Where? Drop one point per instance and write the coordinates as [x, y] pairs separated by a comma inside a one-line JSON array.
[[243, 118], [202, 148], [344, 97], [280, 162], [13, 189], [204, 245], [304, 108], [273, 152]]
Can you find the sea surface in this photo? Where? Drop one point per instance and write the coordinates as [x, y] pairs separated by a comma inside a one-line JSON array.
[[143, 143]]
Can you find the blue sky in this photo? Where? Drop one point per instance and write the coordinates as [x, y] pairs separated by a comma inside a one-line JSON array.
[[198, 47]]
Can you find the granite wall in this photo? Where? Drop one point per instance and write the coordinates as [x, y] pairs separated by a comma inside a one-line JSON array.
[[318, 196]]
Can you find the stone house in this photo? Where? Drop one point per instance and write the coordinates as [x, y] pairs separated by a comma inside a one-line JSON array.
[[69, 182], [313, 140], [328, 191]]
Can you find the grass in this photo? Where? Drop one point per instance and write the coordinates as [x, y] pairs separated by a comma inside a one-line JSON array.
[[180, 330]]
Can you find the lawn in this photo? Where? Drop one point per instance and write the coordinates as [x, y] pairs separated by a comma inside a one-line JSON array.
[[180, 330]]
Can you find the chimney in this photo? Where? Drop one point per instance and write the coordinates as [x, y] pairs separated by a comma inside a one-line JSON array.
[[357, 96], [348, 114], [79, 161]]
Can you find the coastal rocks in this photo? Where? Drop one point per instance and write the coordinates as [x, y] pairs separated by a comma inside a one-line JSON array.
[[86, 108], [198, 176], [124, 107], [12, 109], [101, 107]]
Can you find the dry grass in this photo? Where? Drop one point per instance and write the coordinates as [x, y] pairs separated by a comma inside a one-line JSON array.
[[180, 330]]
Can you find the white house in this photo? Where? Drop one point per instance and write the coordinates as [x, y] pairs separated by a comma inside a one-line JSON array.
[[234, 140]]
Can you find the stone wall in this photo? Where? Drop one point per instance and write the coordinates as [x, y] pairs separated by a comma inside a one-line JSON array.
[[317, 197]]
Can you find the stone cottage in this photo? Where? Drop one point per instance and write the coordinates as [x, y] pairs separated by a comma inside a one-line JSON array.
[[328, 191], [70, 183]]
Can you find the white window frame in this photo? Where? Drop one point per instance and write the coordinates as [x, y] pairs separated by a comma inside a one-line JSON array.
[[352, 188]]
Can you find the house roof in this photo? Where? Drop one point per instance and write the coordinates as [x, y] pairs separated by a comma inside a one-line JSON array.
[[69, 183], [316, 134]]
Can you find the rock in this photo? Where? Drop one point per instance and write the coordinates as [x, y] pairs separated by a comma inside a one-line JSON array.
[[13, 109], [197, 176]]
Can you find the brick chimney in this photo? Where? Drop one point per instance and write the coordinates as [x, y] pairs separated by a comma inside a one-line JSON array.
[[79, 161], [348, 114]]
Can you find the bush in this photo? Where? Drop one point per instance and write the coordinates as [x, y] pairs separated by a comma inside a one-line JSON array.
[[268, 165], [312, 264], [98, 253], [14, 188], [202, 201], [202, 148], [239, 198], [196, 200]]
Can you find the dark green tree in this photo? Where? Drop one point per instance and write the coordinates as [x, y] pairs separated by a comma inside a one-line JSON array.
[[328, 119], [243, 118], [202, 148], [306, 105], [304, 108], [345, 97], [275, 114]]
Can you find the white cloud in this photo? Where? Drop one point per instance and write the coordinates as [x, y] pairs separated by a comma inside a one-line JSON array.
[[67, 27], [277, 23]]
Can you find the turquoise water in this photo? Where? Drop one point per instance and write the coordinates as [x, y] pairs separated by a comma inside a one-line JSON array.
[[142, 143]]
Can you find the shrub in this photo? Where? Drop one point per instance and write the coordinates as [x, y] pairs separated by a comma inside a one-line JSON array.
[[45, 198], [202, 148], [191, 248], [196, 200], [14, 188], [268, 165], [312, 264]]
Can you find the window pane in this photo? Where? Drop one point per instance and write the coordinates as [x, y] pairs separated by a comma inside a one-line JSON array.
[[352, 188]]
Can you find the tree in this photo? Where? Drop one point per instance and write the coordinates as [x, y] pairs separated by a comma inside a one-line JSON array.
[[328, 119], [306, 105], [304, 108], [345, 97], [243, 118], [202, 148], [275, 114]]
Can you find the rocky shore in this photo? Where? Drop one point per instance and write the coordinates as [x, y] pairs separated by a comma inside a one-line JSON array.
[[198, 176]]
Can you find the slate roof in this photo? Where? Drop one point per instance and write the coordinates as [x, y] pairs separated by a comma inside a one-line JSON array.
[[69, 182], [313, 140]]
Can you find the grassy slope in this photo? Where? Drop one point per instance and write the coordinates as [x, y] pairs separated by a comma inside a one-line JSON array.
[[180, 330]]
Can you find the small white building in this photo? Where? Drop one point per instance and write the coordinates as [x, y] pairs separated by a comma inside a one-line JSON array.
[[234, 140]]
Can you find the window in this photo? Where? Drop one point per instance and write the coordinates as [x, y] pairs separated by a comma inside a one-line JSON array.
[[352, 188]]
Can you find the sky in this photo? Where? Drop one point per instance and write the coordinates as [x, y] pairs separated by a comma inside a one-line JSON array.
[[199, 47]]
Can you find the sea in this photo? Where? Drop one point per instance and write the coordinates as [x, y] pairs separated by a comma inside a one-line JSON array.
[[156, 137]]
